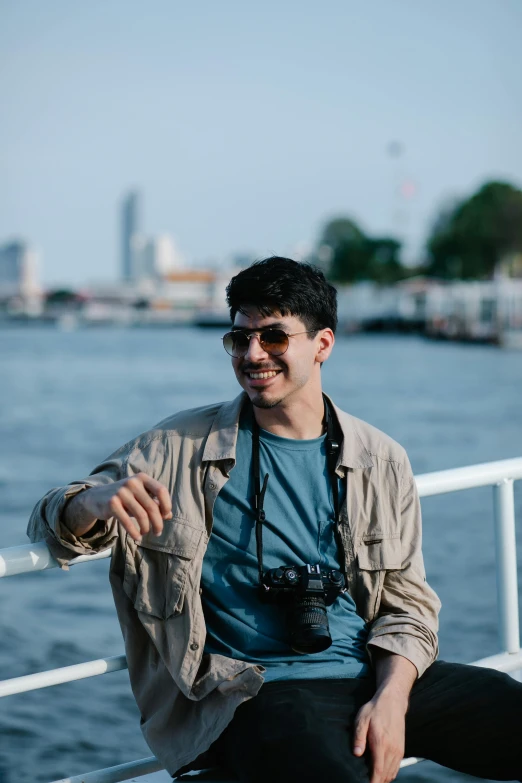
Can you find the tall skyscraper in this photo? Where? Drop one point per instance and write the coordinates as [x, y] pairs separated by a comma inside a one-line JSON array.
[[129, 231]]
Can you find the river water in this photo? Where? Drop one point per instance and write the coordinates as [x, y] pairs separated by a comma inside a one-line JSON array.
[[67, 399]]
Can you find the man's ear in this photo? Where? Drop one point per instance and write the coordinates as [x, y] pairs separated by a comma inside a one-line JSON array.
[[326, 343]]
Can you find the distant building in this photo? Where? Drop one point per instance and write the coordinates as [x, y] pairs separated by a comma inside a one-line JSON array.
[[154, 257], [130, 226], [20, 292], [18, 270], [167, 257], [189, 288], [144, 258]]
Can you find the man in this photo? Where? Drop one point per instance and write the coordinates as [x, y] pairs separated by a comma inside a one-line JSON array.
[[214, 509]]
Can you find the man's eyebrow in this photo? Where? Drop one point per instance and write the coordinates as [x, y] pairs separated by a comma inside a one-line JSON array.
[[274, 325]]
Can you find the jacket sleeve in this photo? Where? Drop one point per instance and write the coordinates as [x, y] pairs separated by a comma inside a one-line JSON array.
[[407, 620], [46, 521]]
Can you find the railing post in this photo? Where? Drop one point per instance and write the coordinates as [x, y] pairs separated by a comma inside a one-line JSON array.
[[506, 565]]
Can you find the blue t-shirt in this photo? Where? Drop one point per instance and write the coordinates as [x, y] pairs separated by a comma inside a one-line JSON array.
[[299, 529]]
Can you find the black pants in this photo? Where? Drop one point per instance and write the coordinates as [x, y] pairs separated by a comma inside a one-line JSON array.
[[462, 717]]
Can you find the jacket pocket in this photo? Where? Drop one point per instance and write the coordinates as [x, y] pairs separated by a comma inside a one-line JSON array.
[[156, 569], [375, 556], [379, 554]]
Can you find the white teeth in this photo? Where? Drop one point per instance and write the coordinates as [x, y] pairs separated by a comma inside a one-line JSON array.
[[262, 375]]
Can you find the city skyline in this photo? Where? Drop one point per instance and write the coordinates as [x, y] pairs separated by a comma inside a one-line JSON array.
[[247, 128]]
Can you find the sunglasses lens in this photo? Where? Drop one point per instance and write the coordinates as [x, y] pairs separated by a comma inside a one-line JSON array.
[[274, 341], [235, 344]]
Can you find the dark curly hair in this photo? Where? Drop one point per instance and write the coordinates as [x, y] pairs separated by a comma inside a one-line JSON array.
[[279, 284]]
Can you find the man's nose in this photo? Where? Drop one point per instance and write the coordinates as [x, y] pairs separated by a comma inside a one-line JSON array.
[[255, 351]]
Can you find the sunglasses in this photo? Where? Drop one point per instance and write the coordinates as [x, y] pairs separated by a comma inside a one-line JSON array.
[[272, 341]]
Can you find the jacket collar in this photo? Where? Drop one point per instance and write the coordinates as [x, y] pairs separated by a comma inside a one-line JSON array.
[[354, 454], [221, 440]]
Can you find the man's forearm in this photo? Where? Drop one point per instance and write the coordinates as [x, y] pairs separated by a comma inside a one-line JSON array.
[[394, 675]]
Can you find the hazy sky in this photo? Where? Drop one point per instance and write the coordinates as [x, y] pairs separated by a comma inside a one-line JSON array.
[[247, 124]]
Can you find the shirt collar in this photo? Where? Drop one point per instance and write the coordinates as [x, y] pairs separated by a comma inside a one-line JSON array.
[[222, 438]]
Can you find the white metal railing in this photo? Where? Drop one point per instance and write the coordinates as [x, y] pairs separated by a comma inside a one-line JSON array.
[[500, 475], [80, 671], [36, 557], [121, 772]]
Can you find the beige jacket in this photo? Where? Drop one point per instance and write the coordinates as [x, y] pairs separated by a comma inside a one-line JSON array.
[[187, 698]]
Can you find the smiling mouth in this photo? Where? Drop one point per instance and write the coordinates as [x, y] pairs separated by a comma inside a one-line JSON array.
[[262, 375]]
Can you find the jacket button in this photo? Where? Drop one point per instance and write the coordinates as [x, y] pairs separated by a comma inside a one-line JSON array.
[[212, 485], [194, 646]]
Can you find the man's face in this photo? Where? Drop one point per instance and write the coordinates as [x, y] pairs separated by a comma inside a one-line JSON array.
[[289, 374]]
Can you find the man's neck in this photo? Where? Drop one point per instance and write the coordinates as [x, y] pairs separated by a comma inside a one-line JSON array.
[[300, 421]]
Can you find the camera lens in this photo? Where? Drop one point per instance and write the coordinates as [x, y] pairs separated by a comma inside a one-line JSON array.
[[308, 621]]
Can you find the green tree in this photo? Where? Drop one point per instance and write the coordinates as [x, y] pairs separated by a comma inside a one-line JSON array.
[[62, 296], [385, 264], [340, 231], [478, 234], [353, 256]]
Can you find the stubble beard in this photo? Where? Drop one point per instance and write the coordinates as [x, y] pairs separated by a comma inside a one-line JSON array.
[[260, 401], [266, 404]]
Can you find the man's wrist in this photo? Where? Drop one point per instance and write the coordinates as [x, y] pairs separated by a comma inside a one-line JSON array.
[[394, 692], [74, 516], [395, 677]]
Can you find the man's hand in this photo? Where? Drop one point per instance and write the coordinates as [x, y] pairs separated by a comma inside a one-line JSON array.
[[139, 503], [380, 724]]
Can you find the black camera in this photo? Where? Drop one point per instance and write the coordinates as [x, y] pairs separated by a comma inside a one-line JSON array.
[[308, 590]]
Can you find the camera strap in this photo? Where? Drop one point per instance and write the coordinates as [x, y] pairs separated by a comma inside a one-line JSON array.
[[260, 496], [333, 444], [332, 451]]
